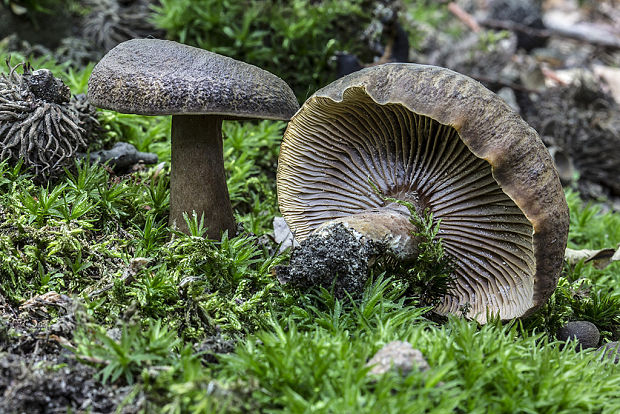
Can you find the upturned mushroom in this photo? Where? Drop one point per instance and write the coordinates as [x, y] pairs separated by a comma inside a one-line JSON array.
[[439, 141], [199, 89]]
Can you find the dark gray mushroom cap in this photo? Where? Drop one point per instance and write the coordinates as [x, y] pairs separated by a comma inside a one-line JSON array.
[[442, 142], [162, 77]]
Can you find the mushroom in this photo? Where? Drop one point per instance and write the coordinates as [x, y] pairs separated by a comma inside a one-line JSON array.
[[199, 89], [440, 141]]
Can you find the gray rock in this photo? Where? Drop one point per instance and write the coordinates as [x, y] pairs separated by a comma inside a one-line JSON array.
[[508, 95], [397, 356], [611, 351], [586, 334], [123, 156]]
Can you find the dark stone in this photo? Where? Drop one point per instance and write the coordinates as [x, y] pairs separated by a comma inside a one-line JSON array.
[[122, 156], [525, 12], [586, 334], [346, 63]]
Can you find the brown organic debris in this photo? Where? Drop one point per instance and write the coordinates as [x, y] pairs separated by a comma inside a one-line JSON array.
[[580, 122], [599, 258], [110, 22]]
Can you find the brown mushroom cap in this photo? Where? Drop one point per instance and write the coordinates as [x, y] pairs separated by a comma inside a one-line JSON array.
[[162, 77], [441, 141], [199, 89]]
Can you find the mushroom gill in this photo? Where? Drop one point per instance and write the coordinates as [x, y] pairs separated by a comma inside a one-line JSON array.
[[335, 151]]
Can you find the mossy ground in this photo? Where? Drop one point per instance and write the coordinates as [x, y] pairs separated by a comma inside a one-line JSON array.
[[94, 289], [188, 324]]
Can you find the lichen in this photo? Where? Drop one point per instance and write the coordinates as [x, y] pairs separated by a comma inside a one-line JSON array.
[[338, 258]]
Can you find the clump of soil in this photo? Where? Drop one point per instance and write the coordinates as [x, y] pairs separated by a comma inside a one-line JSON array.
[[53, 384], [37, 123], [37, 374], [335, 257]]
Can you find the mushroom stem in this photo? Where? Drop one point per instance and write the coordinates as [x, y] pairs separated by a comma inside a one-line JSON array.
[[383, 225], [197, 178]]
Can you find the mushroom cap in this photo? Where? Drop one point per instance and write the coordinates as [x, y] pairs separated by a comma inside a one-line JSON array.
[[442, 141], [162, 77]]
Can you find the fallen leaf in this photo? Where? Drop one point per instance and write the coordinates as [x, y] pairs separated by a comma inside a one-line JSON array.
[[599, 258]]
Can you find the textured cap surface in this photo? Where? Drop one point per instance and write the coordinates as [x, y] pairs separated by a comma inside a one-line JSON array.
[[162, 77], [442, 141]]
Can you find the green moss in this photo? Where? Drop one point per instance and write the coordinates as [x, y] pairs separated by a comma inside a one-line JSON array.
[[313, 358], [269, 34], [585, 292], [153, 304]]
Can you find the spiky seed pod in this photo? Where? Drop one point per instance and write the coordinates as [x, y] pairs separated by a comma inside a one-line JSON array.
[[111, 22], [87, 115], [37, 124], [581, 122]]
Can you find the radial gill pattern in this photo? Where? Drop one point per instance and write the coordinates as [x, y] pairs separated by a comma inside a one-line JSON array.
[[334, 152]]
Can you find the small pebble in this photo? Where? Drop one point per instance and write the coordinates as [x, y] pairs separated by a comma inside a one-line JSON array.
[[398, 356], [508, 95], [586, 334]]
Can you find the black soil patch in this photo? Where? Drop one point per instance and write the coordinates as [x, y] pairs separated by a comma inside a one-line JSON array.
[[38, 374], [53, 384]]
